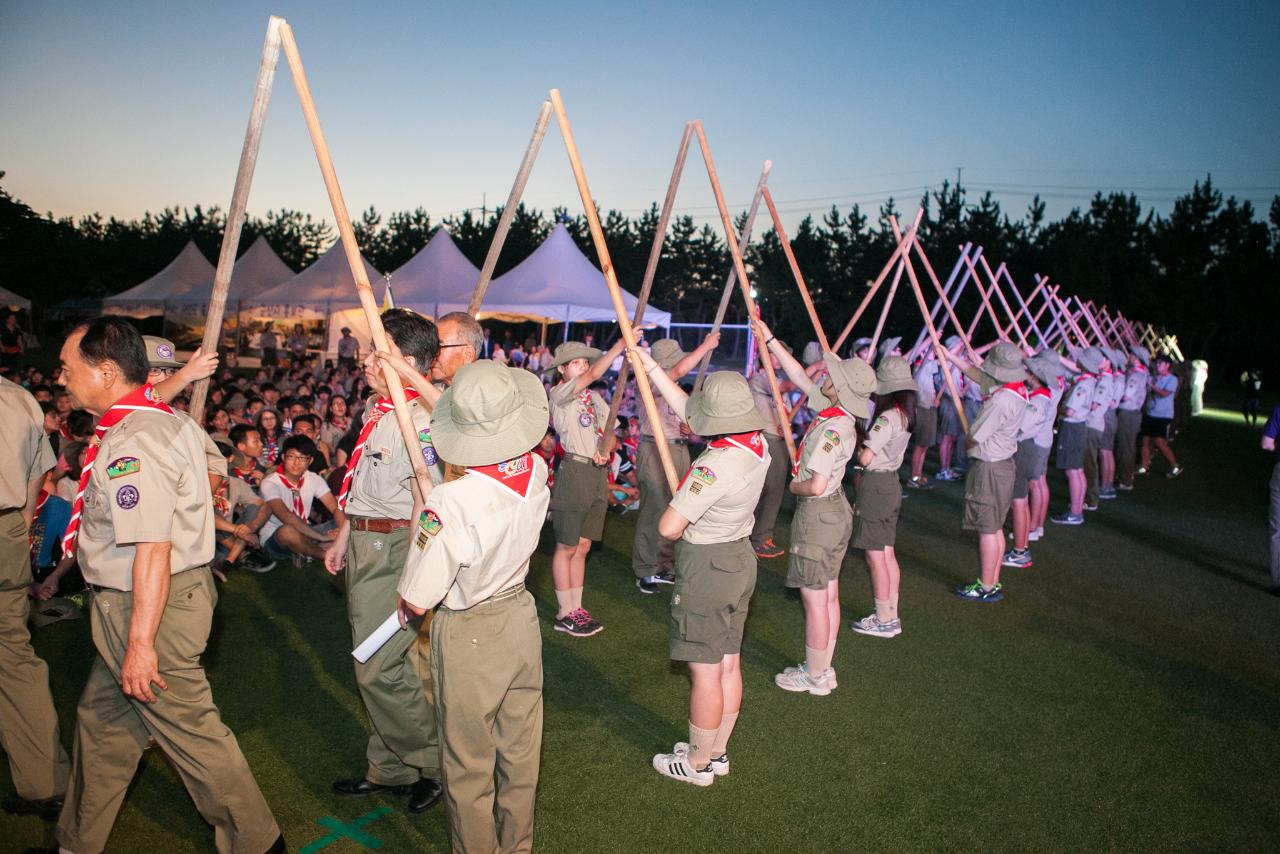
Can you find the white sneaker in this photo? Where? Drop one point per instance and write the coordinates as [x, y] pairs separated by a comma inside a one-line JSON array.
[[677, 767], [719, 765], [798, 680], [873, 627], [829, 673], [1036, 534]]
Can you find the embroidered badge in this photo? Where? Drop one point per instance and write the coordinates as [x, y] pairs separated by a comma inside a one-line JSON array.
[[585, 419], [704, 474], [831, 436], [880, 422], [424, 436], [123, 466], [695, 488], [428, 449], [519, 465], [826, 446], [127, 497], [430, 523], [164, 351]]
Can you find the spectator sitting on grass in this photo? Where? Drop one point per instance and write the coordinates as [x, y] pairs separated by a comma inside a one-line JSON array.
[[239, 513], [308, 425], [248, 445], [272, 434], [290, 491]]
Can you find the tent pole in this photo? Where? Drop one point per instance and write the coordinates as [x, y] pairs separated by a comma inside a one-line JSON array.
[[239, 202], [902, 248]]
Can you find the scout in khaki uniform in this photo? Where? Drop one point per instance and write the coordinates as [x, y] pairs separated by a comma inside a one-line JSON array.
[[28, 723], [143, 524], [924, 433], [823, 520], [1030, 459], [379, 495], [875, 527], [1038, 487], [950, 429], [1073, 435], [1096, 424], [1107, 451], [652, 557], [711, 515], [993, 440], [580, 498], [775, 483], [470, 555], [1129, 416]]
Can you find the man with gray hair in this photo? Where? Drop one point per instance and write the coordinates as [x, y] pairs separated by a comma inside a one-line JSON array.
[[461, 342]]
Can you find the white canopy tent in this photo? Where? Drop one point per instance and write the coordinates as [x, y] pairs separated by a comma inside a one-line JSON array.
[[10, 300], [259, 269], [558, 284], [437, 280], [189, 270]]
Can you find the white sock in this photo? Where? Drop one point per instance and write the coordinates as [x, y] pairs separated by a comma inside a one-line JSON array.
[[884, 610], [564, 598], [720, 746], [700, 744], [816, 661]]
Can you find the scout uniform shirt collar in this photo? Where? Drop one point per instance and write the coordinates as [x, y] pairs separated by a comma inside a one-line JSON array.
[[1042, 392], [144, 397], [752, 443], [1020, 389], [514, 475], [830, 412], [381, 407]]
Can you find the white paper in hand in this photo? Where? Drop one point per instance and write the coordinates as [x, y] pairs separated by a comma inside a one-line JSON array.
[[375, 641]]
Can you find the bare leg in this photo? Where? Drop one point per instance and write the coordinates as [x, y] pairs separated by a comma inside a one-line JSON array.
[[917, 461], [1165, 451], [1108, 465], [1076, 485], [706, 696], [299, 544], [833, 617], [945, 448], [990, 551], [1021, 521], [562, 577], [817, 628], [1146, 452]]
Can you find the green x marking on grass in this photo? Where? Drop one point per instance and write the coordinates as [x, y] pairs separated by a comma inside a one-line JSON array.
[[353, 831]]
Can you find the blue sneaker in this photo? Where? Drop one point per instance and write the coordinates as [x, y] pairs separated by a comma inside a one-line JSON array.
[[975, 592], [1067, 519]]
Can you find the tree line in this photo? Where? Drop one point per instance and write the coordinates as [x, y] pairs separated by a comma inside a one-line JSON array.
[[1209, 270]]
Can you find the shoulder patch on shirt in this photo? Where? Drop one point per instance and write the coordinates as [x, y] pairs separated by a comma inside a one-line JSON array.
[[430, 523], [123, 466], [127, 497], [831, 436], [880, 422], [704, 474], [428, 449]]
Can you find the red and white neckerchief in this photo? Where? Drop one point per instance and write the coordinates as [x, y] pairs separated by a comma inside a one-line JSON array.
[[590, 407], [295, 490], [381, 407], [826, 414], [141, 398], [1042, 392], [221, 499], [243, 474], [1020, 389], [1140, 368], [514, 475], [752, 443]]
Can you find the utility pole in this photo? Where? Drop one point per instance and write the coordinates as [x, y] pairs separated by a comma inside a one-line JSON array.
[[958, 170]]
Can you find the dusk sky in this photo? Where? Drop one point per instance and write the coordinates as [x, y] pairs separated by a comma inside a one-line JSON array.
[[127, 107]]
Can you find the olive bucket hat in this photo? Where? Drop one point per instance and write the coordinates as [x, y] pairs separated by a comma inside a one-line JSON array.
[[667, 353], [723, 405], [491, 413], [894, 374], [1004, 363], [854, 382], [570, 350]]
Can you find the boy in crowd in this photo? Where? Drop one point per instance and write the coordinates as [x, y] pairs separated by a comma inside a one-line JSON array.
[[248, 444], [290, 491]]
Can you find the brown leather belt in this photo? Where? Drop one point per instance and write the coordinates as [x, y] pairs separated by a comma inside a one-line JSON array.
[[377, 526]]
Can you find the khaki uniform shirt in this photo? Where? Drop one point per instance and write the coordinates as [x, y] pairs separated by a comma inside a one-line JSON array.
[[763, 397], [827, 448], [887, 440], [720, 492], [475, 536], [148, 484], [995, 429], [1044, 438], [929, 379], [578, 417], [380, 488], [1100, 401], [672, 421], [1079, 399], [1135, 390], [1117, 389], [25, 452], [1039, 408]]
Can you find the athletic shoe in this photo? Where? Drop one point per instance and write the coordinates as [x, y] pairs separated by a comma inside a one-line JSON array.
[[677, 767], [1174, 472], [873, 627], [829, 673], [591, 623], [1125, 487], [920, 482], [254, 561], [719, 764], [1068, 519], [946, 474], [975, 592], [664, 578], [1035, 534], [1107, 492], [960, 472], [648, 584], [1090, 507], [769, 549], [1143, 469], [574, 625], [1017, 558], [797, 679]]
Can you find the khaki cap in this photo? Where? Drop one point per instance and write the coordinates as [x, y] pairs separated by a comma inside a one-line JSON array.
[[1142, 354], [160, 352], [1004, 363], [854, 382], [887, 346], [894, 374], [570, 350], [489, 414], [1090, 358], [724, 405], [1044, 371], [667, 352]]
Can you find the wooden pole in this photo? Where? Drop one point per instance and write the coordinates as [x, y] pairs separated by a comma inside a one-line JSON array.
[[367, 301], [646, 285], [937, 286], [1001, 332], [903, 247], [509, 210], [239, 202], [994, 278], [615, 291], [884, 312], [745, 286], [795, 272], [959, 269], [1024, 306], [743, 240], [1093, 324]]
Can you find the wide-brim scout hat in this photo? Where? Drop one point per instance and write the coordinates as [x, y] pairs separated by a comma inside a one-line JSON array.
[[570, 350], [952, 342], [854, 382], [812, 353], [1115, 357], [1090, 358], [887, 345], [489, 414], [667, 352], [1142, 354], [1044, 371], [860, 343], [160, 352], [1004, 363], [894, 374], [724, 405]]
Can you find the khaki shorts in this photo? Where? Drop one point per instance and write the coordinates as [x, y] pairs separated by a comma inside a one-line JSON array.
[[1029, 463], [988, 492], [579, 501], [949, 419], [1109, 422], [925, 434], [820, 531], [1071, 437], [875, 525], [714, 583]]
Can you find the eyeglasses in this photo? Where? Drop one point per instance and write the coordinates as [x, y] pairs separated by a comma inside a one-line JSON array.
[[459, 344], [295, 457]]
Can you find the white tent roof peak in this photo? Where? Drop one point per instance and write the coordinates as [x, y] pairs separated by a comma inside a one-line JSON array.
[[189, 270], [257, 270], [326, 283], [11, 300], [437, 275]]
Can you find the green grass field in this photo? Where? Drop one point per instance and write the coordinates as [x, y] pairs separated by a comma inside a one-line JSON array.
[[1124, 696]]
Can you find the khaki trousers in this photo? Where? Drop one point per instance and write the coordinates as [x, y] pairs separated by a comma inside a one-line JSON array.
[[403, 746], [112, 729], [775, 486], [1128, 422], [28, 723], [652, 554], [486, 663]]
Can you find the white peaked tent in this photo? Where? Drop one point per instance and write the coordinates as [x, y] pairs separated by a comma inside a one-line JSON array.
[[189, 270], [437, 280], [257, 270], [8, 299], [558, 284]]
